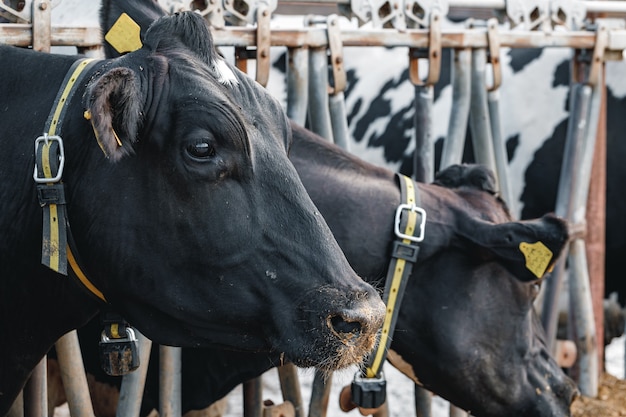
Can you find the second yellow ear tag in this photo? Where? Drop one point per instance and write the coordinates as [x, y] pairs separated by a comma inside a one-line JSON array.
[[538, 257], [124, 35]]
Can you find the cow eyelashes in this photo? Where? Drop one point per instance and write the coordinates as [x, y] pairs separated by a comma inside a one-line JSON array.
[[201, 150]]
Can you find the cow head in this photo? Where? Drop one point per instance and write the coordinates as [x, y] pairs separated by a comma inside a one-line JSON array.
[[468, 326], [197, 228]]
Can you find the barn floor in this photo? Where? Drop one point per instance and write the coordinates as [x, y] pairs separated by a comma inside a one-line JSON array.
[[611, 400]]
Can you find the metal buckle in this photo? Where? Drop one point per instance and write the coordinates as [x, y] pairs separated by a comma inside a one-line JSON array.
[[46, 139], [422, 224]]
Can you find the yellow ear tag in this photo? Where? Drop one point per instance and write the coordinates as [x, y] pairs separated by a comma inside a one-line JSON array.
[[538, 257], [124, 35]]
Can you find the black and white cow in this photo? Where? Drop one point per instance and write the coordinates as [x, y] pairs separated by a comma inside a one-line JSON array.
[[186, 216]]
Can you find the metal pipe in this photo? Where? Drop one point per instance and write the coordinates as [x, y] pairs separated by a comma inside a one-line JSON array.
[[253, 397], [339, 119], [319, 114], [297, 84], [424, 155], [499, 147], [73, 375], [423, 402], [35, 397], [320, 393], [579, 104], [170, 360], [454, 143], [581, 305], [290, 387], [131, 391], [479, 119]]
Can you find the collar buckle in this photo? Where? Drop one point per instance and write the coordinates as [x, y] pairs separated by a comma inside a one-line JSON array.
[[48, 141], [419, 236]]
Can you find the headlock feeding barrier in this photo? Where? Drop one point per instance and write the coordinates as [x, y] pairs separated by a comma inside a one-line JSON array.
[[315, 84]]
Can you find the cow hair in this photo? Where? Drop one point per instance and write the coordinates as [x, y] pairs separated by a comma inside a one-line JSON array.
[[467, 175], [115, 106], [192, 31]]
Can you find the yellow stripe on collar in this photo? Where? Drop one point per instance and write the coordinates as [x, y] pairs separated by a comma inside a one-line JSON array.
[[398, 273]]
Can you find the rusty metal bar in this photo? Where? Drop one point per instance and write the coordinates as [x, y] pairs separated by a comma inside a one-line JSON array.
[[35, 395], [131, 391], [21, 35], [290, 387], [170, 396], [41, 17], [73, 375], [596, 223]]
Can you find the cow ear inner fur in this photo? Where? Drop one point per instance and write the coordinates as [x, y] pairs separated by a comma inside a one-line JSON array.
[[114, 110]]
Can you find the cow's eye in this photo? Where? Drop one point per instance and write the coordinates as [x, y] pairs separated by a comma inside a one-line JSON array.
[[201, 150]]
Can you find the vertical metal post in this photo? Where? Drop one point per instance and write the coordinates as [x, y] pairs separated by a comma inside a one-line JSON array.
[[596, 222], [73, 375], [290, 387], [423, 402], [253, 397], [499, 149], [170, 360], [480, 124], [131, 391], [297, 84], [424, 155], [36, 391], [454, 143], [339, 119], [320, 394], [319, 114], [41, 21], [575, 177]]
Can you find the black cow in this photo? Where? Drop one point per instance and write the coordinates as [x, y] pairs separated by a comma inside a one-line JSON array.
[[466, 326], [188, 219]]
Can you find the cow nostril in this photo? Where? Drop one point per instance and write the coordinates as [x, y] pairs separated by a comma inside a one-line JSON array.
[[344, 328]]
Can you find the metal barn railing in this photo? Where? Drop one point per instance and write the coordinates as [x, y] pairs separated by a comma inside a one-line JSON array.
[[535, 23]]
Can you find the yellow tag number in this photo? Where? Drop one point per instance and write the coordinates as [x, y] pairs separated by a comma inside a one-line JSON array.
[[538, 257]]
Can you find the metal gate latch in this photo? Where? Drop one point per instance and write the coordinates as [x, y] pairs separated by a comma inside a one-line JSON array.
[[368, 392], [119, 356]]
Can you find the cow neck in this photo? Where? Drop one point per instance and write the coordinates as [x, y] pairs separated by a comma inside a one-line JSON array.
[[409, 224], [58, 248]]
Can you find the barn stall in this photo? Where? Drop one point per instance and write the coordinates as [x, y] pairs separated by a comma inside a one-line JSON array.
[[424, 30]]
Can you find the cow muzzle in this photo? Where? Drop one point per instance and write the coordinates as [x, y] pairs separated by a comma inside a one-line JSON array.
[[355, 328]]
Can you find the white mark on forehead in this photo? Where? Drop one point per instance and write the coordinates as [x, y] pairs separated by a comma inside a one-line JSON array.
[[224, 74]]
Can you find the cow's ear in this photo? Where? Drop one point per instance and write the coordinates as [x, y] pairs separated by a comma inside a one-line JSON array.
[[528, 249], [114, 109], [467, 175]]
